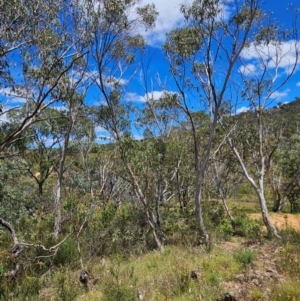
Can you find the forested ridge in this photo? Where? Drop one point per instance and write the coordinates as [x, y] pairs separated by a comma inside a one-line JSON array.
[[101, 193]]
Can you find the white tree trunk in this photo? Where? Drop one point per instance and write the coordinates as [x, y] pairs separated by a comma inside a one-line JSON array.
[[60, 172], [198, 210], [259, 190]]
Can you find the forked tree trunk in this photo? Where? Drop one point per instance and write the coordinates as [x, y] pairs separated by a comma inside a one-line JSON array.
[[151, 221]]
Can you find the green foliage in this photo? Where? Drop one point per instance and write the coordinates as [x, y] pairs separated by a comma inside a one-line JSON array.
[[67, 253], [115, 229], [245, 256], [183, 42], [289, 253], [24, 287], [214, 212], [30, 287], [226, 228], [244, 226], [65, 289], [114, 292], [256, 294]]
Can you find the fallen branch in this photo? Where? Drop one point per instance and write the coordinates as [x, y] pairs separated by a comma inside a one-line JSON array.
[[19, 246]]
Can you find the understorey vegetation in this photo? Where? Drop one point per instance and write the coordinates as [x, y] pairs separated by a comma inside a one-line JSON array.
[[180, 196]]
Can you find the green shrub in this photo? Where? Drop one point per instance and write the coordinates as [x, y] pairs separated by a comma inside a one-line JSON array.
[[288, 259], [30, 287], [244, 256], [226, 229], [244, 226], [256, 294], [25, 287], [215, 212], [65, 289], [67, 253]]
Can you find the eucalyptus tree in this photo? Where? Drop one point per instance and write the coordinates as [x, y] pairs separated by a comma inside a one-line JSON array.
[[282, 164], [158, 119], [72, 94], [40, 42], [39, 153], [267, 64], [224, 175], [84, 140], [204, 55], [116, 45], [287, 172]]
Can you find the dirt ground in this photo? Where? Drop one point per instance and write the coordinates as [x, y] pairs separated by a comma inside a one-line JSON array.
[[282, 220], [262, 276]]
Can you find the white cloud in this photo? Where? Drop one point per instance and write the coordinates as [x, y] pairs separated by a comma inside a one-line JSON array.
[[248, 69], [138, 137], [153, 95], [59, 108], [99, 129], [279, 95], [3, 118], [19, 95], [112, 81], [273, 55], [5, 110], [298, 84], [103, 139], [134, 97], [170, 17], [102, 135], [242, 110]]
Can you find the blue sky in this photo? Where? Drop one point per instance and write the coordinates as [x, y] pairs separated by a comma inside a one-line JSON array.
[[169, 18]]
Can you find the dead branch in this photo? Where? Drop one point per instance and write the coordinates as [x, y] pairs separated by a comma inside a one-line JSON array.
[[19, 247]]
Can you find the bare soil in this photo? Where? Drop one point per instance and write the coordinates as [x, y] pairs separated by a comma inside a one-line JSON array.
[[261, 277], [282, 220], [264, 274]]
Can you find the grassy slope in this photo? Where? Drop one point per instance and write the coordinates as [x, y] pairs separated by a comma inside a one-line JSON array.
[[261, 270]]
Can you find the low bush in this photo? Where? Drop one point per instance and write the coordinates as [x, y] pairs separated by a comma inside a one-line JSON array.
[[246, 227], [226, 229], [65, 288], [245, 257]]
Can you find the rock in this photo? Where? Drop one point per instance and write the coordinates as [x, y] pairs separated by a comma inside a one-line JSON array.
[[271, 271], [240, 278], [84, 277], [140, 295], [228, 297], [194, 275]]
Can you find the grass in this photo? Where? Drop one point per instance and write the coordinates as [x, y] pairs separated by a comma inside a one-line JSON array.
[[246, 206], [287, 291], [160, 276], [157, 276]]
